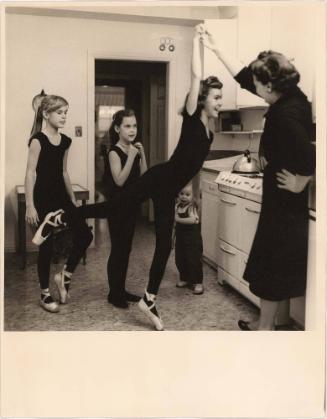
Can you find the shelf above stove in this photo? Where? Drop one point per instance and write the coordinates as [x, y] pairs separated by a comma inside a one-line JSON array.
[[250, 133]]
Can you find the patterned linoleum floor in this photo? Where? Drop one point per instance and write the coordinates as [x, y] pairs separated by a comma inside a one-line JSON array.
[[218, 308]]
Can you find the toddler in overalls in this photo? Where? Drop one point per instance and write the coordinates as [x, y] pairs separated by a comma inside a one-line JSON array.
[[188, 244]]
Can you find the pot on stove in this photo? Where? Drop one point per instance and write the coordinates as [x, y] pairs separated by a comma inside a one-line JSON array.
[[246, 164]]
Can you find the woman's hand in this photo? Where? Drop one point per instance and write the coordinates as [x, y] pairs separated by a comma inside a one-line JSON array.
[[290, 182], [263, 162], [209, 42], [32, 216], [199, 31]]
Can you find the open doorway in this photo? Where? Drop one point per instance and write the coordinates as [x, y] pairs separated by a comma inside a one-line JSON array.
[[141, 86]]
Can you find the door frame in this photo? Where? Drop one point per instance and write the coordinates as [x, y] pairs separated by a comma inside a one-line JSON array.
[[171, 113]]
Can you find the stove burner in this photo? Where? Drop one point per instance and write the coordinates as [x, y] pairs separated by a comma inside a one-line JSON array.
[[257, 176], [254, 175], [245, 185]]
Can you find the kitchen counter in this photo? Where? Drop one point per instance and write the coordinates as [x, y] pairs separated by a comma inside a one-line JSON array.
[[218, 164], [222, 154]]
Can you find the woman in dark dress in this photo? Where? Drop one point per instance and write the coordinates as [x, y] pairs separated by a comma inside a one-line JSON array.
[[277, 264]]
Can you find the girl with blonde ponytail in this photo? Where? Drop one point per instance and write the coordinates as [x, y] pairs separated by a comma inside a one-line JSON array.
[[48, 187]]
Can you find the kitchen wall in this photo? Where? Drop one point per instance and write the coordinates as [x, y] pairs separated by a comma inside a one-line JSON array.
[[261, 27], [181, 12], [52, 53], [252, 119]]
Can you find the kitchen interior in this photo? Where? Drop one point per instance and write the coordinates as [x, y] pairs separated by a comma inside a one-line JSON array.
[[231, 201]]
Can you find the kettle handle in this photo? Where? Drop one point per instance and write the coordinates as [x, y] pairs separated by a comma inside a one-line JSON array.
[[247, 154]]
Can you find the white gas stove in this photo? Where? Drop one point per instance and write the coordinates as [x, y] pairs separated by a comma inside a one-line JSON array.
[[245, 186]]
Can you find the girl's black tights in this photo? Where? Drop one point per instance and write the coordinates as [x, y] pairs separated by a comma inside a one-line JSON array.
[[121, 237], [157, 184]]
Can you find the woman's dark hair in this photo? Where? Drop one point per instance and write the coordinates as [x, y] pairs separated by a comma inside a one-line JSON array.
[[210, 82], [274, 67], [117, 120], [49, 103]]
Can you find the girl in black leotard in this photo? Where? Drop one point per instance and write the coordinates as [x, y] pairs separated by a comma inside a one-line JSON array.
[[126, 163], [162, 182], [49, 190]]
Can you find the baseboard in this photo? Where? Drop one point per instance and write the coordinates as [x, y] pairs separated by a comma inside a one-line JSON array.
[[30, 248], [12, 249], [209, 262]]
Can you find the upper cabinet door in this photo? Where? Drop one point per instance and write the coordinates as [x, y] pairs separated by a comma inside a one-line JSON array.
[[293, 34], [225, 33], [253, 37]]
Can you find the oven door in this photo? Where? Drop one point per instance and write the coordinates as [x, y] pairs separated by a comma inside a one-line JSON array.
[[230, 213], [250, 217]]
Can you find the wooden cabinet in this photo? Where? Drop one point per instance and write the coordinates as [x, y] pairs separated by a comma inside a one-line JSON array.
[[286, 28], [225, 33], [250, 217], [209, 220], [238, 220], [253, 25], [237, 224], [230, 213], [293, 34], [228, 258]]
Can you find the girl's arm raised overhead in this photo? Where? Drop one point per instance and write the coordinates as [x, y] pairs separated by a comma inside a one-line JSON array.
[[33, 155], [67, 180], [233, 64], [196, 72]]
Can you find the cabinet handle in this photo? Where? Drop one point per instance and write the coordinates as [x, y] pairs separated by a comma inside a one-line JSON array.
[[228, 202], [227, 251], [252, 210]]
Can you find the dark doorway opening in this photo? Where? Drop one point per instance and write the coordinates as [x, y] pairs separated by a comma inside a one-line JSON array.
[[141, 86]]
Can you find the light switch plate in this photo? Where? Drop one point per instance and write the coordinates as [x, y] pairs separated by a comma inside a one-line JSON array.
[[78, 132]]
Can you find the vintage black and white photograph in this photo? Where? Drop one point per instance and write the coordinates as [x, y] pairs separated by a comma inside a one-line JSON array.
[[160, 167], [163, 171]]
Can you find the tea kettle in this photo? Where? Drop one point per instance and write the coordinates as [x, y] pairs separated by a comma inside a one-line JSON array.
[[246, 164]]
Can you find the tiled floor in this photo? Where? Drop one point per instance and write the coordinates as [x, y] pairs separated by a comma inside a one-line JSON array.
[[218, 308]]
